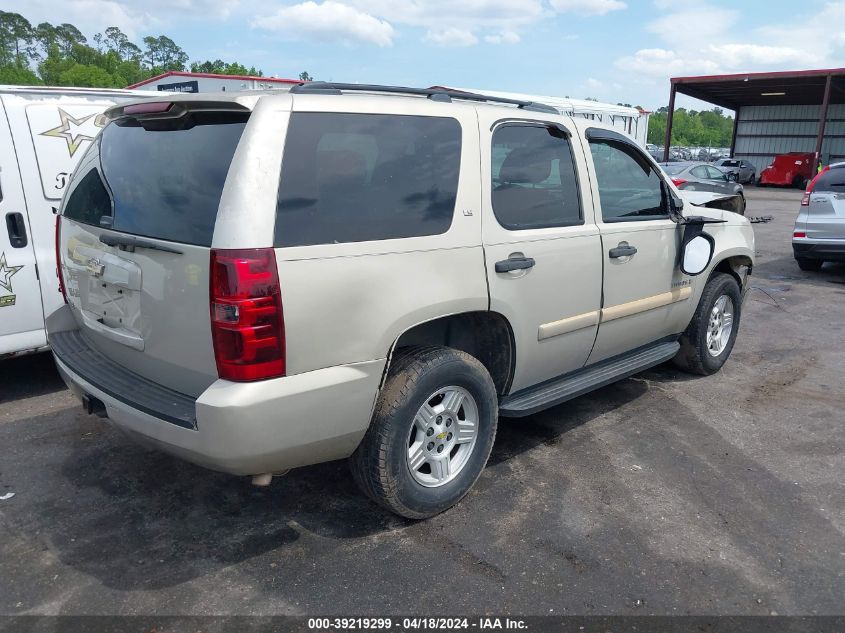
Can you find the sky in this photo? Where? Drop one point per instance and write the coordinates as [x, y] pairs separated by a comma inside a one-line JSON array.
[[613, 50]]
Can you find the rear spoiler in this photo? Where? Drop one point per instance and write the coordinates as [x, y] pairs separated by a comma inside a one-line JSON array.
[[170, 109]]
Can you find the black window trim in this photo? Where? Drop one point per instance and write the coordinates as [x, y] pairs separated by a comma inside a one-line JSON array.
[[627, 145], [567, 136]]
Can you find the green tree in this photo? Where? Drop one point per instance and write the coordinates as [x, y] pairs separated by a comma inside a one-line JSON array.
[[219, 67], [304, 76], [163, 54], [11, 74], [88, 75], [64, 57], [68, 36], [708, 128], [17, 40]]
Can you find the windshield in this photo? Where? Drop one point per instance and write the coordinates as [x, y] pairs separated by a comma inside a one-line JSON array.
[[673, 169]]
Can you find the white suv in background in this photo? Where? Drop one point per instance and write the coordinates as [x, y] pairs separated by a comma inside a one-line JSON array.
[[257, 282]]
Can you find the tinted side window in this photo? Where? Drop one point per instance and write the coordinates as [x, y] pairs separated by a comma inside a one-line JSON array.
[[831, 180], [629, 188], [699, 172], [361, 177], [534, 181], [89, 200]]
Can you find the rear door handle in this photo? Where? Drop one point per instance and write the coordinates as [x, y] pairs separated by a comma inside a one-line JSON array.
[[514, 263], [623, 250], [17, 230]]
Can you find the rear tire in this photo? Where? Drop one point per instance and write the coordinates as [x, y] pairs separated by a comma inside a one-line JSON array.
[[422, 454], [706, 345], [809, 265]]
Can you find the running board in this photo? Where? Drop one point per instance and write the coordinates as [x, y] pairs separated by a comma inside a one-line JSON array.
[[577, 383]]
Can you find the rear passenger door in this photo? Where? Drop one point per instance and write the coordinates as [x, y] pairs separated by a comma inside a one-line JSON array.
[[704, 181], [645, 294], [541, 245]]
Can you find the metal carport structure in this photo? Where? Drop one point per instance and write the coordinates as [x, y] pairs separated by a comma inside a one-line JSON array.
[[775, 112]]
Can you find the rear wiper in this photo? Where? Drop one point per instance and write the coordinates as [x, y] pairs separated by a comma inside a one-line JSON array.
[[129, 244]]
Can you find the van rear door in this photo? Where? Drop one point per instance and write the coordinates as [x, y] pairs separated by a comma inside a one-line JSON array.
[[136, 232], [21, 311]]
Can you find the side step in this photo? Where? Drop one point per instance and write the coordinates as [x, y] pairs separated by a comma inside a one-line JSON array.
[[577, 383]]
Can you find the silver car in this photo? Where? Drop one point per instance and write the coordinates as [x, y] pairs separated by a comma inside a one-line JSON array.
[[819, 234], [702, 177], [744, 171]]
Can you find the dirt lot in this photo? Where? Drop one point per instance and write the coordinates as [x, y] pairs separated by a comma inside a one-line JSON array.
[[662, 494]]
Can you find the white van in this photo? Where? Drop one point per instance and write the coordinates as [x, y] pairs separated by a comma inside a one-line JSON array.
[[43, 134]]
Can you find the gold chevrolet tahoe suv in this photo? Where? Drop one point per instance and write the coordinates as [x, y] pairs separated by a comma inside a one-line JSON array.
[[260, 281]]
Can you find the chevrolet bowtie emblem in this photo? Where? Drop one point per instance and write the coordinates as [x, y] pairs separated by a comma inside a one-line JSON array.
[[441, 436], [95, 267]]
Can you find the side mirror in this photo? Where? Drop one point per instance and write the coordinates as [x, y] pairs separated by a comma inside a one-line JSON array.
[[696, 250]]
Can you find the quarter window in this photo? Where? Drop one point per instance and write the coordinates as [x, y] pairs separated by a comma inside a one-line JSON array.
[[629, 187], [88, 200], [534, 181], [361, 177]]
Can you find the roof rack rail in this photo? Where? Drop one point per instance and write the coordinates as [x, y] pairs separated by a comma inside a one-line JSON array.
[[435, 94]]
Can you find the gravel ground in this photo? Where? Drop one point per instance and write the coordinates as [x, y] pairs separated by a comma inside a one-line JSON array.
[[664, 494]]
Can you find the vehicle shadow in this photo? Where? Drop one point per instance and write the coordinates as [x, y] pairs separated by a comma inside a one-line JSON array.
[[28, 376], [194, 519], [139, 520], [123, 510]]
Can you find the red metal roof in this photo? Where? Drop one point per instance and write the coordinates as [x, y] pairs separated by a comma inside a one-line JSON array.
[[179, 73]]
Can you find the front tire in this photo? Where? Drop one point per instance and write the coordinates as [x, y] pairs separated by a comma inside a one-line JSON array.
[[431, 432], [708, 340]]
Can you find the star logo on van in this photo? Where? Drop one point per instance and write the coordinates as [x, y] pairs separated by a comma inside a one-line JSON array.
[[6, 273], [69, 131]]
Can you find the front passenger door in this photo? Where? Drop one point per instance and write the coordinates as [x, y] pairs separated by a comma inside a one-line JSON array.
[[644, 291]]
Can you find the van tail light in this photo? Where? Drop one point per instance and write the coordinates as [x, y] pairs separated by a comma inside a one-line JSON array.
[[247, 324], [805, 201], [678, 181], [799, 234], [59, 257]]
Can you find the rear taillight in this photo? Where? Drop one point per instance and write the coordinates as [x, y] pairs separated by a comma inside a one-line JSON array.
[[805, 201], [799, 234], [247, 324], [59, 257], [678, 181]]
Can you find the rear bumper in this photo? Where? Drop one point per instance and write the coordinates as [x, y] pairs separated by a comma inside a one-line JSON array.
[[244, 428], [827, 250]]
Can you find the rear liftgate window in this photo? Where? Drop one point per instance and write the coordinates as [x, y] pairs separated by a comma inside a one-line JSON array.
[[162, 183], [833, 180], [361, 177]]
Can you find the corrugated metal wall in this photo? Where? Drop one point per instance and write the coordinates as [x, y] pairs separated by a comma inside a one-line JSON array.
[[764, 131]]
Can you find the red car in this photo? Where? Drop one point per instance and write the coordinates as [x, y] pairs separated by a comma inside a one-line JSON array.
[[792, 169]]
